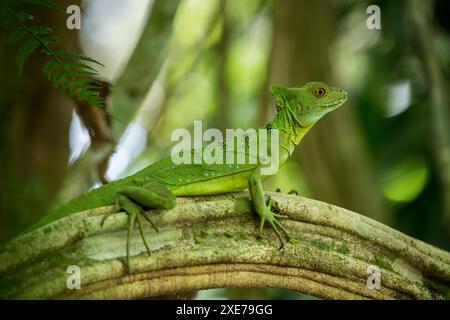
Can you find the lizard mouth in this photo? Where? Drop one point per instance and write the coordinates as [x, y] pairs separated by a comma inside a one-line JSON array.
[[335, 103]]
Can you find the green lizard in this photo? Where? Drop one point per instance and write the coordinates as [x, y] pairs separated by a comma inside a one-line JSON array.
[[158, 185]]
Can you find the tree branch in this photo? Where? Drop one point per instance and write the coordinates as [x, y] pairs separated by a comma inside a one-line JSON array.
[[209, 242]]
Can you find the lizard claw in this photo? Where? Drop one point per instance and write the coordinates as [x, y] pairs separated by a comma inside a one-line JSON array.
[[146, 216], [109, 214], [281, 216], [105, 217], [269, 203]]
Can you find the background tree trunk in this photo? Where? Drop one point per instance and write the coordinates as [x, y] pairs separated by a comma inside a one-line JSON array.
[[334, 157], [34, 126]]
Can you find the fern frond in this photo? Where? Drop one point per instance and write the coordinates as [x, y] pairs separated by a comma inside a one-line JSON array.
[[16, 36], [49, 67], [74, 77], [67, 71], [67, 68], [73, 56], [48, 40], [79, 73], [40, 30], [25, 51], [21, 16], [79, 65], [19, 33], [58, 77]]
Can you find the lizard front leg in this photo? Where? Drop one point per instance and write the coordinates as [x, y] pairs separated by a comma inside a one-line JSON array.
[[264, 211]]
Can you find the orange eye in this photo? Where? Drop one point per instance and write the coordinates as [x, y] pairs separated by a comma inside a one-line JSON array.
[[319, 92]]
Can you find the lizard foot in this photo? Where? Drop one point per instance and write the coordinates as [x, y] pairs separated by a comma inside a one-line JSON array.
[[271, 217]]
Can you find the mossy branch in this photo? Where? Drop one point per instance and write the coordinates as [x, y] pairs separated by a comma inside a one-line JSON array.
[[210, 242]]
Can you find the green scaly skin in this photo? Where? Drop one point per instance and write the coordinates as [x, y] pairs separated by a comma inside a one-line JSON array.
[[158, 185]]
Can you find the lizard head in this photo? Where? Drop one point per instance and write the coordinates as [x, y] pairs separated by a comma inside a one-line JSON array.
[[307, 104]]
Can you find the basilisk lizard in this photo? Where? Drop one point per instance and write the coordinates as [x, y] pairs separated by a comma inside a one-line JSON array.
[[158, 185]]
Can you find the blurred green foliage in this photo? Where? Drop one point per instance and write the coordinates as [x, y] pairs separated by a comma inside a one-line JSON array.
[[219, 59]]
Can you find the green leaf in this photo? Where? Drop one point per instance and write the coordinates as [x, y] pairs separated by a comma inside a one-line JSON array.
[[16, 36], [78, 65], [20, 32], [23, 16], [82, 93], [90, 96], [66, 84], [74, 56], [25, 51], [48, 39], [83, 81], [58, 77], [96, 101], [49, 68], [74, 88], [78, 73], [91, 87], [39, 30], [7, 18]]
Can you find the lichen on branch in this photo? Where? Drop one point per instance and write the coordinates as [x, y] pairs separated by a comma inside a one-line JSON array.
[[209, 242]]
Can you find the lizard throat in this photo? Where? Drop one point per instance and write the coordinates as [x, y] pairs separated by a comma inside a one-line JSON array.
[[291, 133]]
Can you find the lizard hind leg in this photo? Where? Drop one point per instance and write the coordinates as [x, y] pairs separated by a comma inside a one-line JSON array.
[[131, 199], [133, 211]]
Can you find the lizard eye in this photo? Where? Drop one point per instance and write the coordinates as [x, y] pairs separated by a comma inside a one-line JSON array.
[[319, 92]]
